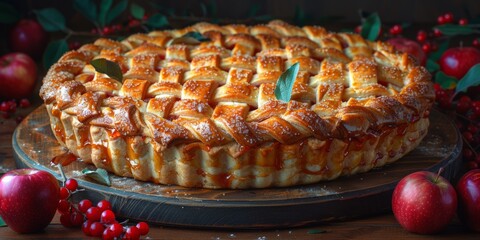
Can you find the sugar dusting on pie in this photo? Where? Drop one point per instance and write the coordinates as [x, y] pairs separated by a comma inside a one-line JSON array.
[[205, 115]]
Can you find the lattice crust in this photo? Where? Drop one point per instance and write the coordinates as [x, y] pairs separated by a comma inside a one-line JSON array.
[[206, 115]]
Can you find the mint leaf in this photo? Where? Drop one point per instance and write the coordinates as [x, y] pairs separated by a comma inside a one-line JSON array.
[[100, 175], [454, 29], [472, 78], [105, 6], [2, 223], [157, 21], [51, 19], [284, 86], [118, 9], [190, 38], [432, 66], [137, 11], [8, 14], [108, 67], [53, 52], [371, 27], [445, 81], [88, 8]]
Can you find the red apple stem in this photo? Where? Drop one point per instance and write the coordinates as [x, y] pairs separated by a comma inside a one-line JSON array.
[[438, 174]]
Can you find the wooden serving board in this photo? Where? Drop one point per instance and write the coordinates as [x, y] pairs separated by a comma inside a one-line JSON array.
[[347, 197]]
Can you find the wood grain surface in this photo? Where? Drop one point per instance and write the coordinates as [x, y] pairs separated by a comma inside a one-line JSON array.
[[345, 198]]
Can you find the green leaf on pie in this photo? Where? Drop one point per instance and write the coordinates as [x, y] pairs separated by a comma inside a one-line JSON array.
[[445, 81], [105, 6], [137, 11], [53, 52], [100, 175], [190, 38], [371, 27], [472, 78], [108, 67], [454, 29], [118, 9], [51, 19], [157, 21], [88, 8], [284, 86], [8, 14]]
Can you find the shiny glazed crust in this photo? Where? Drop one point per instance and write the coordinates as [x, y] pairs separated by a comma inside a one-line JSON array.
[[205, 115]]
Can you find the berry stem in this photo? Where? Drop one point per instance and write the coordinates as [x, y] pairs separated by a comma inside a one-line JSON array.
[[64, 178]]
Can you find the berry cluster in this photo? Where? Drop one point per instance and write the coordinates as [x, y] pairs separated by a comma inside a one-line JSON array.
[[467, 112], [9, 107], [95, 220]]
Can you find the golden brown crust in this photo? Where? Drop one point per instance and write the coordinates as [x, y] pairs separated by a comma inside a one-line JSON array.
[[191, 109]]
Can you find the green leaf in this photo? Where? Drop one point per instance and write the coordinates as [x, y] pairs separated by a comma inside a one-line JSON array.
[[53, 52], [137, 11], [88, 8], [472, 78], [118, 9], [445, 81], [454, 29], [371, 27], [8, 14], [157, 21], [108, 67], [435, 56], [51, 19], [190, 38], [316, 231], [432, 66], [105, 6], [284, 86], [100, 175], [253, 10], [2, 223], [300, 16]]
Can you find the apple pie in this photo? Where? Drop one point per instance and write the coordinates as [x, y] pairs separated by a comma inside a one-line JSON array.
[[204, 113]]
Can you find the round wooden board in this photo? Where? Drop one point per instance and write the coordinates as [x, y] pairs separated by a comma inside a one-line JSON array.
[[347, 197]]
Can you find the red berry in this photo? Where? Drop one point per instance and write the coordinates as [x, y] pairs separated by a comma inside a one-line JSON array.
[[462, 22], [472, 128], [421, 36], [94, 214], [71, 184], [107, 217], [66, 220], [108, 234], [441, 20], [468, 136], [396, 29], [104, 205], [86, 227], [476, 43], [448, 17], [64, 193], [467, 154], [64, 206], [426, 47], [24, 103], [143, 228], [76, 218], [96, 229], [117, 229], [437, 32], [463, 106], [132, 233], [84, 205]]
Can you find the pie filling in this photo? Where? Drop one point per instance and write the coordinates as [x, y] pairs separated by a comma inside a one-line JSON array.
[[204, 114]]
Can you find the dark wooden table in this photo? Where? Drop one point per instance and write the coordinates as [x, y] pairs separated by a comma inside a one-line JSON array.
[[373, 227]]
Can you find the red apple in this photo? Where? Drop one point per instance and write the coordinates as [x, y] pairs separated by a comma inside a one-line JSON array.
[[410, 47], [29, 37], [457, 61], [28, 199], [18, 73], [468, 189], [424, 202]]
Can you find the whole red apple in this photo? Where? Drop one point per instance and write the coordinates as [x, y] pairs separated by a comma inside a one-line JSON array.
[[468, 190], [424, 202], [457, 61], [18, 73], [28, 199], [410, 47], [29, 37]]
